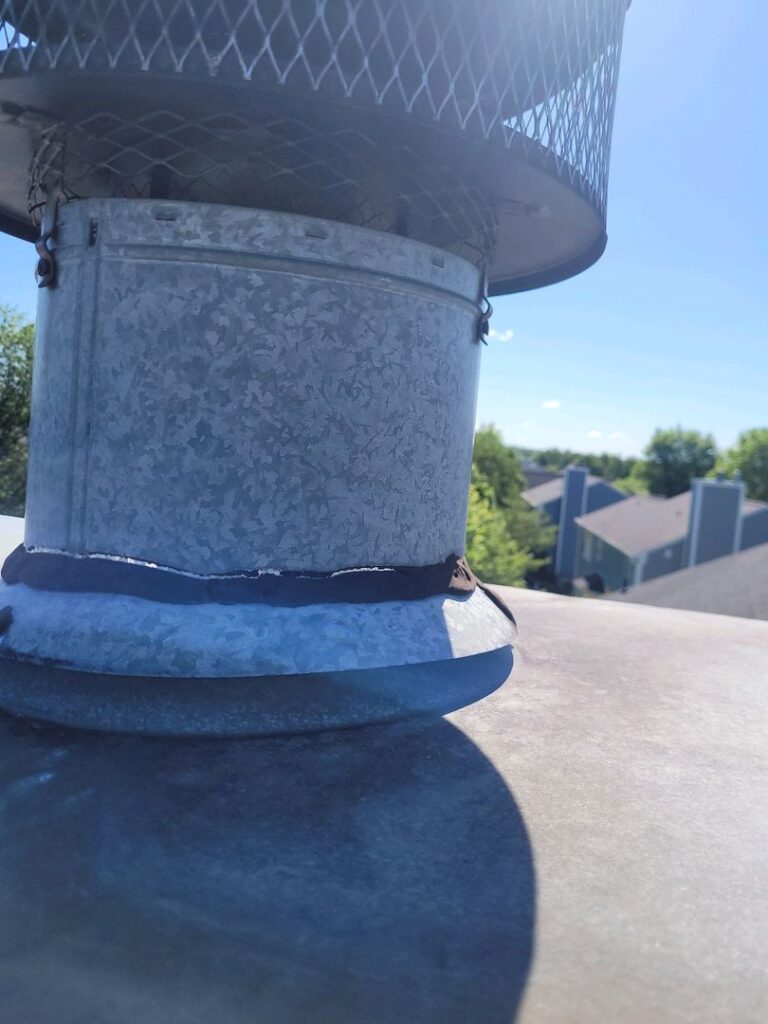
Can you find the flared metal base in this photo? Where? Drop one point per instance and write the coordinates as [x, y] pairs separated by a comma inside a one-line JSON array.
[[125, 664], [258, 706]]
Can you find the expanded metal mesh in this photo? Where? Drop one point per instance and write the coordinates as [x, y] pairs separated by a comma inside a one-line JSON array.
[[534, 76], [284, 164]]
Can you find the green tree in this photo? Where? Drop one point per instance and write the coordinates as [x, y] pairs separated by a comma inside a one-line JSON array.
[[492, 553], [749, 457], [674, 457], [606, 465], [634, 482], [16, 351], [499, 465], [505, 537]]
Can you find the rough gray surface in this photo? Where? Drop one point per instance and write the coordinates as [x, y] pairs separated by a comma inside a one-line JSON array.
[[219, 389], [374, 876], [587, 845], [633, 740]]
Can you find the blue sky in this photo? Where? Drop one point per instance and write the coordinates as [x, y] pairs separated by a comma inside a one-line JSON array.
[[670, 327]]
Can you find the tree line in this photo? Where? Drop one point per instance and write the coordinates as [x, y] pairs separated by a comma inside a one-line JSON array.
[[608, 466], [16, 349], [671, 460], [507, 541]]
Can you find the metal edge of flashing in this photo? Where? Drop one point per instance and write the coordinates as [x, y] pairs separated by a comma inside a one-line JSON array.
[[269, 706], [554, 275], [123, 635], [17, 227]]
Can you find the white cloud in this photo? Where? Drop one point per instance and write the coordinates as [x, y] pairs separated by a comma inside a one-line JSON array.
[[617, 435], [594, 433], [551, 403], [495, 335]]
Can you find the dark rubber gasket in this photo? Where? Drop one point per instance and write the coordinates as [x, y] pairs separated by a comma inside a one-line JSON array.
[[58, 571]]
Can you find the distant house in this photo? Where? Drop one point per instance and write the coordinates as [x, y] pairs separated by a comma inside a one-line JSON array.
[[647, 537], [565, 498], [732, 585], [622, 545], [534, 474]]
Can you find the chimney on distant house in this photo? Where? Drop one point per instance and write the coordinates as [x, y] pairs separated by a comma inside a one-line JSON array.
[[574, 503], [714, 525]]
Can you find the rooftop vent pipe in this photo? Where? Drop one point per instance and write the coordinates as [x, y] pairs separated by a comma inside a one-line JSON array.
[[267, 232]]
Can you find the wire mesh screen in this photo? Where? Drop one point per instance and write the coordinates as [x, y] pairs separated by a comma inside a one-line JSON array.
[[537, 77], [286, 165]]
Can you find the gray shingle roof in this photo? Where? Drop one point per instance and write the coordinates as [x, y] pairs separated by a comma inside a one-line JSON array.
[[552, 490], [645, 523], [641, 523], [734, 585]]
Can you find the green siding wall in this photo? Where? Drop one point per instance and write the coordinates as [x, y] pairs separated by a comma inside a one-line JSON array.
[[596, 556]]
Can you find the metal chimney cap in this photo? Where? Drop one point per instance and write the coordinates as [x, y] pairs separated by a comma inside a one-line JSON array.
[[479, 126]]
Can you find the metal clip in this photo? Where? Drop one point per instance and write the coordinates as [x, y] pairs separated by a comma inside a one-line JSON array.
[[45, 273], [486, 312]]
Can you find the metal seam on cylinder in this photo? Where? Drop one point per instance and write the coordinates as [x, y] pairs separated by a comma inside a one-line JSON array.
[[280, 264]]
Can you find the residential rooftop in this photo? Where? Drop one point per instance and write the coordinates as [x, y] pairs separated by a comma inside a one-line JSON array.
[[640, 523], [553, 489], [535, 475], [646, 522], [734, 585]]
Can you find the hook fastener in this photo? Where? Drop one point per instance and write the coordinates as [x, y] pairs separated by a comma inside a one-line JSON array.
[[45, 272]]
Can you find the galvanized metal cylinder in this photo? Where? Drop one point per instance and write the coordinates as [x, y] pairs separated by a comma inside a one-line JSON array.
[[219, 389]]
